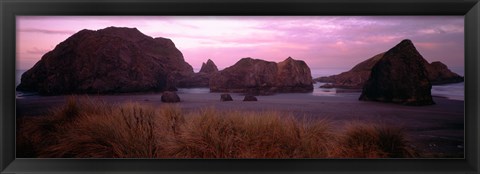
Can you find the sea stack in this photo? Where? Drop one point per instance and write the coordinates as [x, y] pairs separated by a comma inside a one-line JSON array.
[[200, 79], [293, 76], [260, 77], [400, 76], [247, 75], [355, 78], [439, 74], [110, 60], [208, 67]]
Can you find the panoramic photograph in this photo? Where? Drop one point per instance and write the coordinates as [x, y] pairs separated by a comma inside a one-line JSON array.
[[250, 87]]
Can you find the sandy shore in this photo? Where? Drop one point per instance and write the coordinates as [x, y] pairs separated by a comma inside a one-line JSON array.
[[435, 130]]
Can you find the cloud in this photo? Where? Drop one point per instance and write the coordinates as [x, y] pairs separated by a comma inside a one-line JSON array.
[[36, 50], [48, 31], [442, 29], [321, 41]]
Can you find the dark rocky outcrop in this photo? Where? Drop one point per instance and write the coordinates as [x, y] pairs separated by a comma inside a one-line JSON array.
[[110, 60], [438, 73], [170, 97], [200, 79], [247, 75], [225, 97], [208, 67], [399, 77], [260, 77], [250, 98], [354, 78], [293, 76], [197, 80]]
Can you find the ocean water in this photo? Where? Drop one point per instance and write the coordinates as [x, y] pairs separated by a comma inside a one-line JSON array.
[[193, 90], [317, 91], [320, 72], [454, 91]]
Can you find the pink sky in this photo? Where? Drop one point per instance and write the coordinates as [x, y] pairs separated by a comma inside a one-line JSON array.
[[321, 41]]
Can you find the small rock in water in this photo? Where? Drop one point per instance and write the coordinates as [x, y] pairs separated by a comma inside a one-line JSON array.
[[225, 97], [170, 97], [250, 98]]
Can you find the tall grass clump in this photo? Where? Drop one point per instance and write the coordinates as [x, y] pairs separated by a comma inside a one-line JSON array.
[[373, 140], [89, 128], [126, 132], [36, 133], [86, 127], [233, 134]]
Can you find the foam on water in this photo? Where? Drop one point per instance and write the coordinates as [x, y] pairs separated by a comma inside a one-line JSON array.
[[193, 90], [455, 91]]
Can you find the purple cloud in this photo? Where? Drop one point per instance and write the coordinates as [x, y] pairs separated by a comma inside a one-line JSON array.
[[36, 50], [48, 31], [322, 41]]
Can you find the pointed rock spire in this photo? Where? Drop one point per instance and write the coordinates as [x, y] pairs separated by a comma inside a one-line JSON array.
[[208, 67], [399, 77]]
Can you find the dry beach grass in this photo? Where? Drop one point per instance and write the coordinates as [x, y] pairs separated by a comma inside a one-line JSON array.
[[91, 128]]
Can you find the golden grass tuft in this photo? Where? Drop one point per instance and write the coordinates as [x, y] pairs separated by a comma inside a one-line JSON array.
[[214, 134], [367, 140], [89, 128]]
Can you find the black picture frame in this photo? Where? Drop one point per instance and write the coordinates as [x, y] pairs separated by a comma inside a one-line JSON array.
[[11, 8]]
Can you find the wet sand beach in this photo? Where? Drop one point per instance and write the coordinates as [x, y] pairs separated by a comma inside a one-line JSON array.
[[436, 130]]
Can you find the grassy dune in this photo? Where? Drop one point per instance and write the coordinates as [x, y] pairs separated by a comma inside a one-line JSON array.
[[89, 128]]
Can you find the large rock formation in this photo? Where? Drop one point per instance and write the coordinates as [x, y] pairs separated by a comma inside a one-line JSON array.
[[247, 75], [110, 60], [438, 73], [353, 79], [399, 77], [255, 76], [197, 80], [293, 76], [200, 79]]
